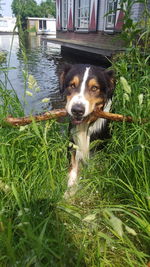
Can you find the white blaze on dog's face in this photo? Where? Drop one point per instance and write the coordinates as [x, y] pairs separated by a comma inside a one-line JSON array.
[[86, 88]]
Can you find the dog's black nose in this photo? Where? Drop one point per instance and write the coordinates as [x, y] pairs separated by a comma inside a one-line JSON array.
[[78, 110]]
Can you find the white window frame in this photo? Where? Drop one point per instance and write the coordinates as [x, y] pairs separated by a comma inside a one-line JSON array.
[[64, 14], [111, 15], [82, 21]]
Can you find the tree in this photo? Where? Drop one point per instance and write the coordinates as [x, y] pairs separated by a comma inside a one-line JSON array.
[[48, 8], [25, 8], [30, 8]]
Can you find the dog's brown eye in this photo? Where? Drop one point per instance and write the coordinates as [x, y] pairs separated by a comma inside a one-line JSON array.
[[72, 85], [94, 88]]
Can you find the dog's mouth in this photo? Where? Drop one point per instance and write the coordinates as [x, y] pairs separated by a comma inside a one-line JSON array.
[[77, 120]]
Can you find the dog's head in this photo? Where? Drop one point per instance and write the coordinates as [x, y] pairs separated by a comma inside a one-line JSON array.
[[86, 87]]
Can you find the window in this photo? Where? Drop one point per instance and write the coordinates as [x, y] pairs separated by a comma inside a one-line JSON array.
[[82, 16], [111, 14], [42, 25], [64, 14]]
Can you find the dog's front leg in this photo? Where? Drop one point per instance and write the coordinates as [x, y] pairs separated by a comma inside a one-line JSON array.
[[73, 171], [79, 154], [72, 176]]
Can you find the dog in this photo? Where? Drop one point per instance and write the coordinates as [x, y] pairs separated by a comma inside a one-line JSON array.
[[87, 88]]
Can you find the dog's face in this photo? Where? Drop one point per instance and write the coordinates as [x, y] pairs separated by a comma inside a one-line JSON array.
[[86, 87]]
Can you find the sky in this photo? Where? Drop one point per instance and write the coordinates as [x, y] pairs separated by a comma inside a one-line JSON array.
[[6, 9]]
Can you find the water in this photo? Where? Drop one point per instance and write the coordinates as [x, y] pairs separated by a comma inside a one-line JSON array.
[[44, 61]]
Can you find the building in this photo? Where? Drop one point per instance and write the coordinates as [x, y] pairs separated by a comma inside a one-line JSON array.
[[7, 25], [92, 25], [46, 26], [88, 16]]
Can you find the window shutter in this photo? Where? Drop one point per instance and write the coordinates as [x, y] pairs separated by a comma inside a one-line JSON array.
[[58, 20], [119, 18], [93, 15], [70, 25]]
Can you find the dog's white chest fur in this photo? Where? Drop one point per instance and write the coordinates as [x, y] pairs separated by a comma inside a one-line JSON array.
[[83, 132], [81, 137], [82, 141]]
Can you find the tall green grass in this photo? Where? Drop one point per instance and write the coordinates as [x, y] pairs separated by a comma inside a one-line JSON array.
[[107, 222]]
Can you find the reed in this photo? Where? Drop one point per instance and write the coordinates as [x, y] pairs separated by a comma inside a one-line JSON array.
[[107, 222]]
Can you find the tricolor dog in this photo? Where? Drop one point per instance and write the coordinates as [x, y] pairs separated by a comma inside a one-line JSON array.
[[87, 88]]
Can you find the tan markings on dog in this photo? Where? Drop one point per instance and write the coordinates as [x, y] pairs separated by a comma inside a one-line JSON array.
[[93, 83], [112, 82], [75, 81], [94, 101], [62, 77]]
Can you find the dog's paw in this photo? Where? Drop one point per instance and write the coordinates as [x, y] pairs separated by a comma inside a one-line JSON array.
[[70, 192]]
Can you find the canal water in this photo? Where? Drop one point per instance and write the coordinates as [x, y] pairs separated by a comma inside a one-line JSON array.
[[44, 62]]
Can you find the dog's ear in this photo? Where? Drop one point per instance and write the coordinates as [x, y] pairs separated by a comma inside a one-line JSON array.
[[110, 75], [63, 74]]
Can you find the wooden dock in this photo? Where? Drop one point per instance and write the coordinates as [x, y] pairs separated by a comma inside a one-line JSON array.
[[102, 52], [103, 49]]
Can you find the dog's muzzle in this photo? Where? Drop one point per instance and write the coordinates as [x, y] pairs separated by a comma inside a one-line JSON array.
[[77, 111]]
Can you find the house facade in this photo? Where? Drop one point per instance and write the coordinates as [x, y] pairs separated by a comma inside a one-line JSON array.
[[46, 26], [93, 22], [7, 25]]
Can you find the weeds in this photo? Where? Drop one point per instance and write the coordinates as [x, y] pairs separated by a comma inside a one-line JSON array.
[[107, 222]]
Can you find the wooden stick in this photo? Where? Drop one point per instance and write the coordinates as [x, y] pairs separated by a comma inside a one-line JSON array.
[[54, 114], [58, 113], [112, 116]]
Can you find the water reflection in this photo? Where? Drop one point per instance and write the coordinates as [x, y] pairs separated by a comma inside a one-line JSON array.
[[43, 62]]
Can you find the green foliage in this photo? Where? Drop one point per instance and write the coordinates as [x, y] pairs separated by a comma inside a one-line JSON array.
[[132, 31], [24, 9], [9, 102], [47, 8], [3, 56], [30, 8], [107, 222]]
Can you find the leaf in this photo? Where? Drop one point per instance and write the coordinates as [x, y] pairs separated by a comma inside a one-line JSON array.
[[46, 100], [36, 129], [116, 224], [15, 193], [130, 230], [89, 218], [4, 187], [125, 85], [126, 97], [70, 210], [140, 98], [32, 83], [29, 93], [23, 128], [129, 22]]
